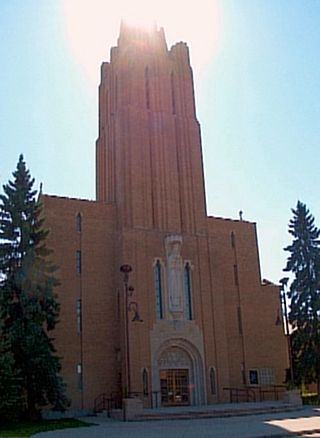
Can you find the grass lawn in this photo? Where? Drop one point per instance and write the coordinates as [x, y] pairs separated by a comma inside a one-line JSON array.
[[26, 429]]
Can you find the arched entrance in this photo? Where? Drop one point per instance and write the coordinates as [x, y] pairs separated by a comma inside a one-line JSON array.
[[175, 371], [178, 374]]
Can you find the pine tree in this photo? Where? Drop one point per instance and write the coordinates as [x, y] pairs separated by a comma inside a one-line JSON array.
[[10, 383], [28, 305], [304, 293]]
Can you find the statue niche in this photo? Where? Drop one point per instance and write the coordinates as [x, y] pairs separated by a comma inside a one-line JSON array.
[[175, 275]]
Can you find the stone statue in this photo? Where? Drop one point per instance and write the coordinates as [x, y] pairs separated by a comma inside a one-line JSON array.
[[175, 273]]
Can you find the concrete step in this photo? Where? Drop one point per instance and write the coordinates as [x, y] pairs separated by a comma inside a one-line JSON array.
[[101, 414], [115, 414], [214, 413]]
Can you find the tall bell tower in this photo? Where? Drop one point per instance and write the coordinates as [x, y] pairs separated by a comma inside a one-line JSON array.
[[149, 158]]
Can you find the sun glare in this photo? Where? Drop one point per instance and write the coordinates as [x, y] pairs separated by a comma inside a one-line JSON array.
[[92, 27], [143, 17]]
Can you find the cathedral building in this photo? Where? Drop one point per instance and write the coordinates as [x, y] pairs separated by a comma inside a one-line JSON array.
[[158, 300]]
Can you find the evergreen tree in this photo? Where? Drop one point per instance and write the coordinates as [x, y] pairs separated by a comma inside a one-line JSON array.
[[304, 293], [10, 384], [28, 305]]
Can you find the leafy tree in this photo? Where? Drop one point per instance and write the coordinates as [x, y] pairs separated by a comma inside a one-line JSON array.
[[304, 293], [28, 305]]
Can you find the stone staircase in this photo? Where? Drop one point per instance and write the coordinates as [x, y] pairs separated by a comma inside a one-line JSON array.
[[214, 411]]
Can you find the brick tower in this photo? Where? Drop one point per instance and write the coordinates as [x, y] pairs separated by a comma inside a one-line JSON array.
[[149, 148]]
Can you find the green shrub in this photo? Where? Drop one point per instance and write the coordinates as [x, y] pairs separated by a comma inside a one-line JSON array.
[[310, 399]]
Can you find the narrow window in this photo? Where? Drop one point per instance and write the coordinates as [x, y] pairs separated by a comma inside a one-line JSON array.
[[173, 99], [146, 76], [187, 291], [158, 287], [78, 262], [235, 273], [79, 316], [233, 240], [213, 385], [78, 223], [145, 382], [79, 374]]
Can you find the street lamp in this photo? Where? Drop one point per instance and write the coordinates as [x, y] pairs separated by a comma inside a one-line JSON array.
[[131, 306], [283, 298]]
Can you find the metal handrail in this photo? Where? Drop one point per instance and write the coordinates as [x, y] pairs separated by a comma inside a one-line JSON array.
[[99, 402], [236, 393], [250, 393], [276, 390], [104, 402]]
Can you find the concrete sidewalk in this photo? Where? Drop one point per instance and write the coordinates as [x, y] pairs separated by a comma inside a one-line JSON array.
[[295, 423]]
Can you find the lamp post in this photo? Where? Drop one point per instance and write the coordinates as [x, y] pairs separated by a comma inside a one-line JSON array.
[[283, 297], [131, 306]]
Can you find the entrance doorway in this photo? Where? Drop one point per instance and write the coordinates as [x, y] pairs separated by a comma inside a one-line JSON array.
[[174, 385], [177, 375]]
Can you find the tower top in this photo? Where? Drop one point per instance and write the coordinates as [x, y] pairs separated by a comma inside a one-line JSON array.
[[132, 35]]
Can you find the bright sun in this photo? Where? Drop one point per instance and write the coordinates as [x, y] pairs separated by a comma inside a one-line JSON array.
[[92, 27]]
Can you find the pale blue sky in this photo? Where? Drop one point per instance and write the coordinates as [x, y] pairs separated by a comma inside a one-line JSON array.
[[258, 103]]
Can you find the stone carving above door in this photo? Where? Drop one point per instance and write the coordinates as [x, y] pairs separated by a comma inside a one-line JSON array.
[[174, 358]]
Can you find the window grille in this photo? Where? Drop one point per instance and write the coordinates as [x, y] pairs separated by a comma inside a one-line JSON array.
[[266, 376]]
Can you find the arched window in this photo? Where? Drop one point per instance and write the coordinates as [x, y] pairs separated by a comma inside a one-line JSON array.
[[158, 288], [78, 223], [213, 384], [145, 382], [187, 291]]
